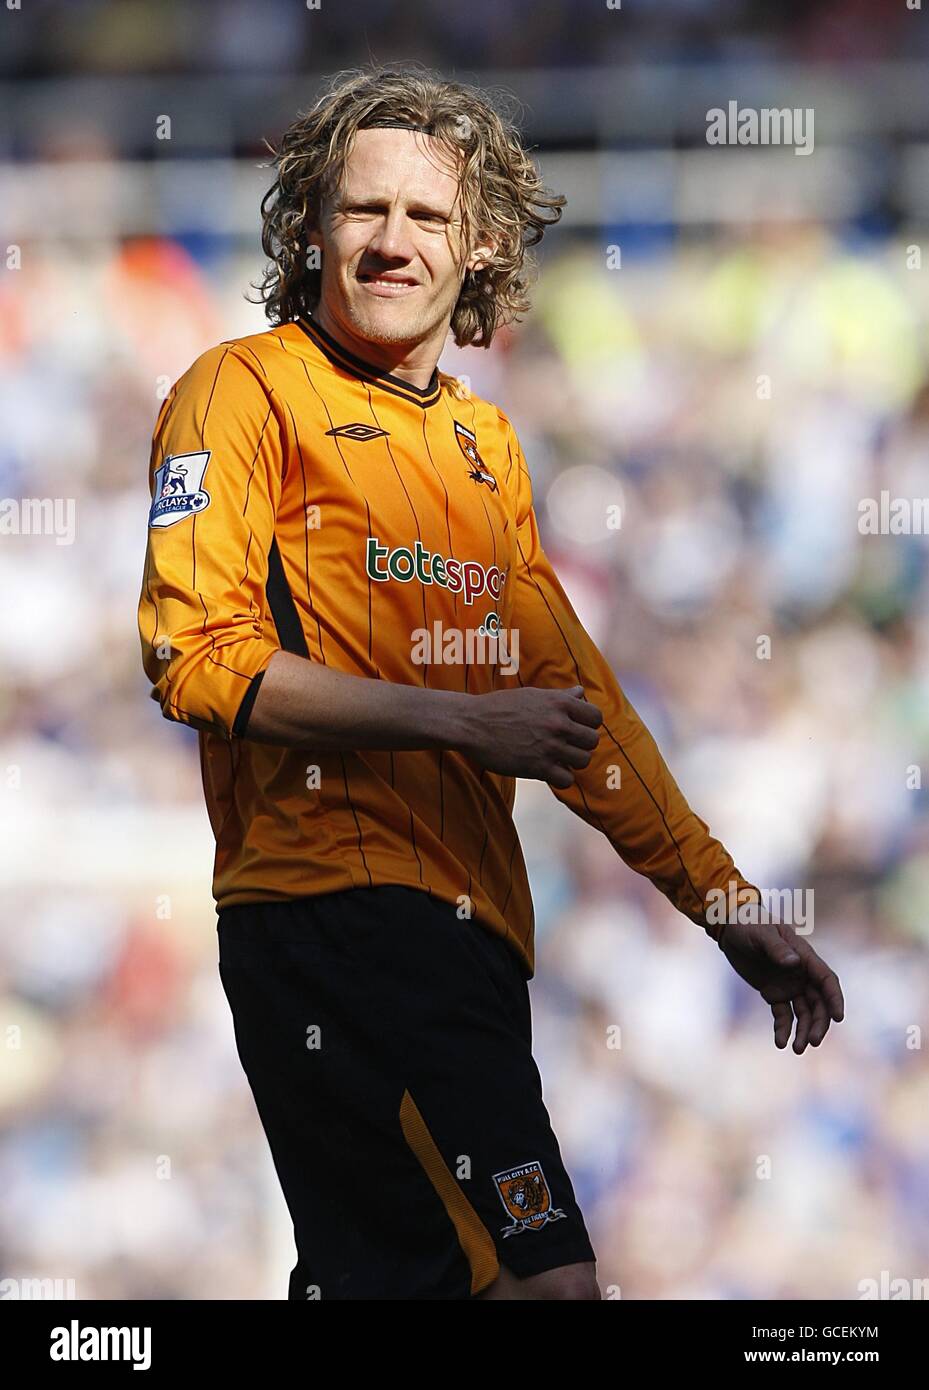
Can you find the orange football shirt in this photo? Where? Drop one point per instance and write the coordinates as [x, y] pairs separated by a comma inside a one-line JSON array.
[[304, 499]]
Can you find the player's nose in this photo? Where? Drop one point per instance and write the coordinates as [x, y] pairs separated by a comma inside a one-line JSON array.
[[391, 240]]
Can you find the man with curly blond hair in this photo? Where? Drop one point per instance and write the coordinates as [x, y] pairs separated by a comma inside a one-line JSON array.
[[345, 593]]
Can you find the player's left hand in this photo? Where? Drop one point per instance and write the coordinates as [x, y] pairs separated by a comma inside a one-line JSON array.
[[789, 976]]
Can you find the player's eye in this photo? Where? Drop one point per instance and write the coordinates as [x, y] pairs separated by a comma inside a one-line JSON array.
[[429, 219]]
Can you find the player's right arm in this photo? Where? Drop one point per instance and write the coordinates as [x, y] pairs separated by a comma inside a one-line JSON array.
[[521, 733], [204, 643], [213, 661]]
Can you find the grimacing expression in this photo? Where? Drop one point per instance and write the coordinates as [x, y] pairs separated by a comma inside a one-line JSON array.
[[390, 238]]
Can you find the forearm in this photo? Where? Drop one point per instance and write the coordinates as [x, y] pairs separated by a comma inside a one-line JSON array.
[[302, 703], [626, 790]]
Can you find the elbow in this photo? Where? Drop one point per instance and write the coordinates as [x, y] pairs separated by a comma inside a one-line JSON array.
[[203, 661], [211, 690]]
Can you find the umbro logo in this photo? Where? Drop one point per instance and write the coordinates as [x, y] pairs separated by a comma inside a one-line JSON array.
[[357, 431]]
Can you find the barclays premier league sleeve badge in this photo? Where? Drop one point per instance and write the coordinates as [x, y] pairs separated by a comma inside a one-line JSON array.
[[179, 488]]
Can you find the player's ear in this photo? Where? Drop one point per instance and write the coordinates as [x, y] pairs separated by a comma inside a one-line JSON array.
[[312, 225], [314, 248], [481, 254]]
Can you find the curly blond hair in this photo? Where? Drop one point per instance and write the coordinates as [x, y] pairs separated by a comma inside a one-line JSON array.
[[502, 196]]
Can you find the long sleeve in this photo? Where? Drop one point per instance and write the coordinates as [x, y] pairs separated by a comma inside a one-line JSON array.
[[626, 791], [215, 479]]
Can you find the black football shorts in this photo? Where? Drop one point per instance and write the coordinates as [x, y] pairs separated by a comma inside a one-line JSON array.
[[388, 1047]]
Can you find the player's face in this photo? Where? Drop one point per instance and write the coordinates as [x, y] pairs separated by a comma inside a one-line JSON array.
[[392, 263]]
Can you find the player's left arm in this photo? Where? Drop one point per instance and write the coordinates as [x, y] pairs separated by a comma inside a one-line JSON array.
[[627, 792]]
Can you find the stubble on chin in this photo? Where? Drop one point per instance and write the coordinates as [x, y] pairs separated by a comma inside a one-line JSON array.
[[408, 327]]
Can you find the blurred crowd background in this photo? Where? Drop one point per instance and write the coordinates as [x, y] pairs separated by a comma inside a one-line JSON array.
[[753, 367]]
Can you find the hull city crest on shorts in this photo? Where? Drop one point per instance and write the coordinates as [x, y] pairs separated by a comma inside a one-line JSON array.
[[467, 442], [526, 1198], [179, 488]]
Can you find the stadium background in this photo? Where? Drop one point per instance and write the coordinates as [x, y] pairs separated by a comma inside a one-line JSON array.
[[131, 1158]]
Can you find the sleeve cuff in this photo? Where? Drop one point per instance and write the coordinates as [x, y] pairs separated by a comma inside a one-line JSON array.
[[240, 723]]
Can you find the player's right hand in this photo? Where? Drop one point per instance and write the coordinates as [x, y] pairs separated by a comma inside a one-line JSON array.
[[531, 732]]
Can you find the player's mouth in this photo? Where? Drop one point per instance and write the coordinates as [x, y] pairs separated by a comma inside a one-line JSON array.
[[389, 286]]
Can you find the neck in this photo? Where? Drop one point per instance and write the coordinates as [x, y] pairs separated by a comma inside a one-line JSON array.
[[413, 363]]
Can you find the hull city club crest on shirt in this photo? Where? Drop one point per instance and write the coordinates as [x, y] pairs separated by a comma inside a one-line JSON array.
[[178, 490], [526, 1198], [468, 445]]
